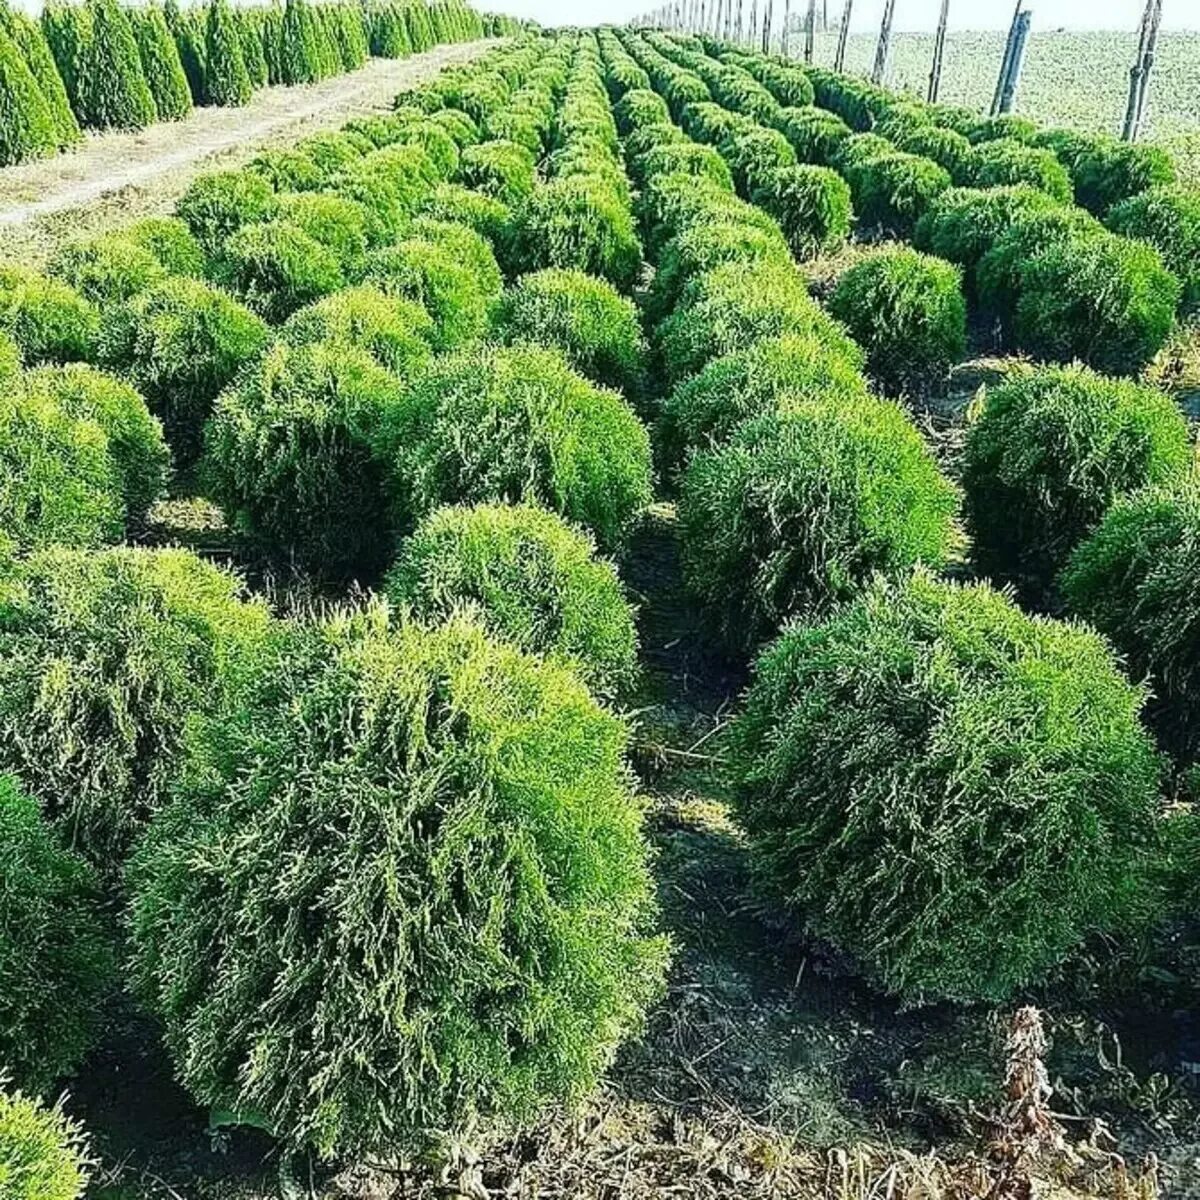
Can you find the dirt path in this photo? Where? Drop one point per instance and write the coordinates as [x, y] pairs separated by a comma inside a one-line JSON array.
[[119, 176]]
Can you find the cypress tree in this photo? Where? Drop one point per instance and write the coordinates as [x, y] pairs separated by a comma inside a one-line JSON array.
[[26, 123], [249, 22], [113, 91], [189, 42], [161, 64], [226, 80], [331, 62], [300, 57], [29, 39], [350, 37], [271, 30], [67, 28]]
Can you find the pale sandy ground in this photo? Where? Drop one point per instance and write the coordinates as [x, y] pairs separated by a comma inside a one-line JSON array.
[[115, 177]]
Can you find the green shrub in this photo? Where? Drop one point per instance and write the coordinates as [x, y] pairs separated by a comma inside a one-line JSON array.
[[1169, 219], [640, 107], [332, 151], [250, 28], [503, 170], [55, 963], [1006, 163], [300, 45], [1050, 451], [31, 42], [578, 223], [488, 217], [106, 269], [953, 792], [43, 1154], [226, 80], [218, 204], [113, 92], [893, 191], [950, 150], [27, 128], [533, 580], [170, 241], [754, 155], [1102, 300], [135, 438], [517, 424], [340, 225], [127, 644], [277, 268], [431, 276], [396, 333], [731, 307], [466, 246], [802, 505], [770, 375], [288, 170], [514, 876], [436, 141], [687, 158], [1108, 171], [906, 309], [816, 135], [49, 321], [180, 343], [291, 456], [595, 327], [812, 206], [58, 481]]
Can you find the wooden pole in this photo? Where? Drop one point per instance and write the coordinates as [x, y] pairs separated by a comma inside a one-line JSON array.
[[1006, 61], [1008, 94], [1139, 75], [939, 53], [768, 14], [839, 58], [753, 21], [809, 31], [879, 71]]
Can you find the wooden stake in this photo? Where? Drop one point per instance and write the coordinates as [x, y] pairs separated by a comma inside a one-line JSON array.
[[809, 31], [1139, 74], [879, 71], [839, 58], [939, 52], [1006, 61], [1008, 93], [768, 14]]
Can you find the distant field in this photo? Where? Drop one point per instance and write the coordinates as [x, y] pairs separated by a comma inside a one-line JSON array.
[[1075, 79]]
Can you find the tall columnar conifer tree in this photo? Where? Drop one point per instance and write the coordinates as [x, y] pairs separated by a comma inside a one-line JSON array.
[[29, 39], [26, 124], [226, 80], [113, 91], [162, 64]]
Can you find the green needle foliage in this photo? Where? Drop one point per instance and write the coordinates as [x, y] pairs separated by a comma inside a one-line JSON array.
[[595, 327], [1006, 163], [812, 206], [503, 170], [48, 320], [43, 1153], [893, 191], [27, 127], [953, 792], [300, 54], [127, 644], [216, 205], [29, 39], [455, 822], [1169, 219], [170, 241], [533, 580], [517, 424], [801, 506], [180, 343], [161, 63], [55, 963], [226, 80], [106, 269], [1047, 455], [907, 310], [277, 268], [340, 225], [113, 92]]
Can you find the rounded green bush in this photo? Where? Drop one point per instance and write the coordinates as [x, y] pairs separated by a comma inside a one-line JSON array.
[[686, 158], [578, 223], [290, 454], [1049, 452], [1005, 163], [798, 509], [277, 268], [108, 269], [466, 797], [55, 962], [466, 246], [218, 204], [770, 375], [490, 218], [950, 150], [532, 579], [1102, 300], [1136, 578], [754, 156], [433, 277], [49, 321], [596, 328], [954, 793], [893, 191], [126, 644], [812, 206], [170, 241], [396, 333], [503, 170], [288, 170], [58, 480], [1005, 126], [907, 310], [340, 225], [512, 424], [639, 107], [331, 151], [179, 343], [815, 134], [1169, 219], [1108, 171], [135, 438], [43, 1154]]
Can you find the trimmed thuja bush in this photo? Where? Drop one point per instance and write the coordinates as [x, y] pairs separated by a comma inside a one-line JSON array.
[[55, 963], [1169, 219], [180, 343], [893, 191], [126, 644], [534, 581], [1136, 578], [113, 91], [1048, 454], [27, 128], [219, 203], [595, 327], [812, 206], [907, 310], [49, 321], [107, 269], [517, 424], [43, 1153], [471, 800], [951, 791], [503, 170], [291, 456], [1005, 163], [161, 64], [277, 268], [802, 505], [226, 80]]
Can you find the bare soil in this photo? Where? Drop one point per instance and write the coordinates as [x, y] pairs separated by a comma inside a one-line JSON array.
[[117, 177]]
